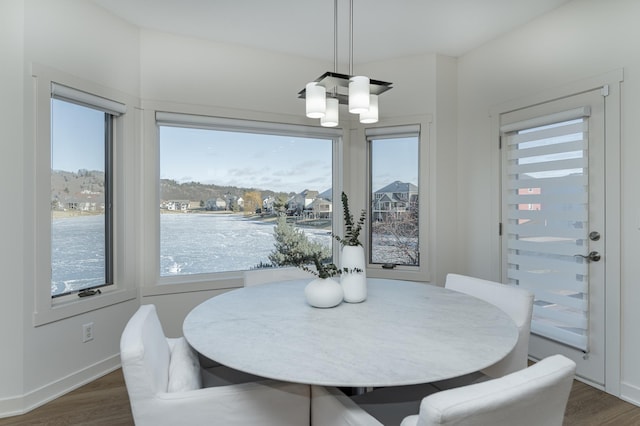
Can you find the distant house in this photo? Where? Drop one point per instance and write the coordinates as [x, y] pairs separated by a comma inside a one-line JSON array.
[[88, 206], [395, 199], [268, 203], [320, 208], [297, 204], [177, 205]]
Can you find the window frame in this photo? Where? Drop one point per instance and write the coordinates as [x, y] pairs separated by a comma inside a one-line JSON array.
[[388, 128], [206, 118], [80, 98], [46, 308]]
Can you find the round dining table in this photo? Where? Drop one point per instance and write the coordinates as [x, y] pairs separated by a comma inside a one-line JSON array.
[[403, 333]]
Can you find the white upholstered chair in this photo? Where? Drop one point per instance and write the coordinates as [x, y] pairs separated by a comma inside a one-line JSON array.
[[164, 383], [267, 275], [516, 302], [534, 396]]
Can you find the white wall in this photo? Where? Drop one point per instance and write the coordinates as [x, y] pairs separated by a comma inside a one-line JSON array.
[[583, 39], [11, 170], [39, 363]]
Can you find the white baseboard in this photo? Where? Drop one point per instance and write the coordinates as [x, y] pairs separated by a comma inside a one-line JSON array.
[[630, 393], [22, 404]]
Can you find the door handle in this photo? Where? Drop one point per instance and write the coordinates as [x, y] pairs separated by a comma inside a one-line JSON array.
[[594, 256]]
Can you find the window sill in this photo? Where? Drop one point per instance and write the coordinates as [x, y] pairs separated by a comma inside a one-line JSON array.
[[69, 307], [194, 283], [398, 273]]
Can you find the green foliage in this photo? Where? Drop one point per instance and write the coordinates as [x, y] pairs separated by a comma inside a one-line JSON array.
[[351, 230], [293, 248], [280, 203]]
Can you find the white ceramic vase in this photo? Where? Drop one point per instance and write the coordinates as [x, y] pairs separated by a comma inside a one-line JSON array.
[[323, 293], [354, 284]]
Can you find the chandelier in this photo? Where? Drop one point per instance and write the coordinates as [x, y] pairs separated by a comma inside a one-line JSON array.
[[324, 95]]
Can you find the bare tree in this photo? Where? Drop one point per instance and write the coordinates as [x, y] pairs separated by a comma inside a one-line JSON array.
[[395, 238]]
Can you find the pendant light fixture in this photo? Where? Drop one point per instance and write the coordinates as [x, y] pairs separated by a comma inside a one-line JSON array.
[[324, 95]]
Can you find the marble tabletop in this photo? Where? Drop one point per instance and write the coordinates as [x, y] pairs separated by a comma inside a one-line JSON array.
[[404, 333]]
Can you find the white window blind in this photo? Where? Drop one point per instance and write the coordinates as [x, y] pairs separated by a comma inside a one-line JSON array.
[[69, 94], [239, 125], [547, 221]]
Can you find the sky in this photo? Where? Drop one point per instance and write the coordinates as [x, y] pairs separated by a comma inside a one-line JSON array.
[[77, 135], [265, 162]]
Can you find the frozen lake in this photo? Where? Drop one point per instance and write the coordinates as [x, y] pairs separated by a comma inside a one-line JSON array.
[[190, 244]]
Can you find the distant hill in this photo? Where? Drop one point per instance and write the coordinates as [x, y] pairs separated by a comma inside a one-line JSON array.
[[88, 184], [80, 186], [196, 191]]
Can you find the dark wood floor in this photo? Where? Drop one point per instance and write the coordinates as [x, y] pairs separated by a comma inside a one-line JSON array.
[[105, 402]]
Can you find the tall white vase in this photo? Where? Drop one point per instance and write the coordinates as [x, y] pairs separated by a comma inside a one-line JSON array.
[[354, 284], [323, 293]]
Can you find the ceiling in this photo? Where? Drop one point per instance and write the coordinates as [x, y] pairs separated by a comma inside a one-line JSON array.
[[382, 29]]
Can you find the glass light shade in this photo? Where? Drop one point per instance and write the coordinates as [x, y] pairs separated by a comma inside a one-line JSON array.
[[316, 100], [331, 117], [358, 94], [370, 116]]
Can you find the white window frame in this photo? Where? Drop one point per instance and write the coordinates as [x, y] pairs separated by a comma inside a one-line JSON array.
[[38, 220], [163, 114], [426, 220]]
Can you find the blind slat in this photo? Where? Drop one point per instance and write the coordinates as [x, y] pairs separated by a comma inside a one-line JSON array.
[[515, 154], [545, 166], [544, 263], [555, 298], [546, 134], [563, 318], [559, 248], [568, 337], [558, 117], [540, 231], [575, 215], [546, 183], [547, 282], [549, 200]]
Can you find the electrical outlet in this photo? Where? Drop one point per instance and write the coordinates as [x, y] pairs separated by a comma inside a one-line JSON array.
[[87, 332]]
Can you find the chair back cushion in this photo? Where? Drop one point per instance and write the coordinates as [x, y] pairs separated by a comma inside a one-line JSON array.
[[514, 301], [145, 355], [534, 396], [184, 367]]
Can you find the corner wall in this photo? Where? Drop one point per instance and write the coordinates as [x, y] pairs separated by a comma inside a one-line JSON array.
[[11, 225], [79, 39]]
